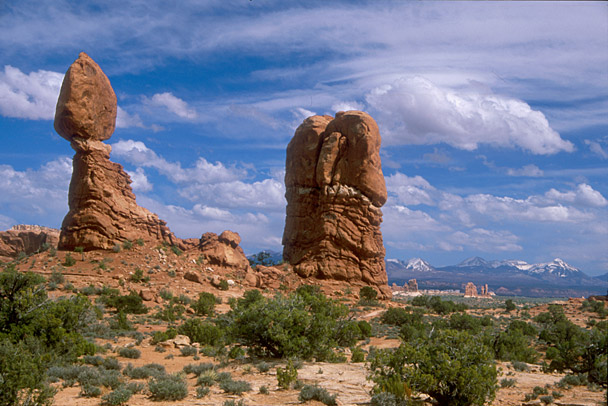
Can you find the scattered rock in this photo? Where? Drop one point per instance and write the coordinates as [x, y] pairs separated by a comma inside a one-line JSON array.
[[223, 250], [335, 188], [193, 276], [178, 342], [147, 295], [103, 211]]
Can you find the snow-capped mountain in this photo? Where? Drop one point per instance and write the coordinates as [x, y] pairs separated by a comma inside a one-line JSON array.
[[557, 267], [419, 265], [555, 278]]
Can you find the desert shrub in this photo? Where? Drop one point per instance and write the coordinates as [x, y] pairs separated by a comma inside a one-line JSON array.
[[198, 369], [171, 312], [111, 378], [160, 336], [365, 328], [514, 345], [357, 354], [119, 396], [94, 360], [56, 277], [547, 399], [69, 260], [384, 399], [35, 333], [133, 353], [236, 352], [595, 306], [507, 382], [203, 332], [127, 245], [453, 367], [264, 390], [188, 351], [233, 403], [138, 276], [89, 391], [176, 250], [223, 285], [368, 295], [112, 363], [207, 378], [520, 366], [205, 304], [437, 305], [235, 387], [131, 303], [202, 391], [140, 242], [572, 380], [168, 387], [397, 316], [287, 376], [305, 324], [314, 392], [144, 372], [263, 366], [509, 305]]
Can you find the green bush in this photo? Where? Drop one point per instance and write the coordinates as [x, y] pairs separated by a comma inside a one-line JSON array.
[[357, 355], [168, 387], [202, 391], [133, 353], [144, 372], [453, 367], [509, 305], [160, 336], [287, 376], [119, 396], [397, 316], [203, 332], [88, 391], [69, 261], [305, 324], [314, 392], [205, 304], [131, 303], [368, 294], [198, 369], [35, 333], [507, 382], [188, 351], [235, 387]]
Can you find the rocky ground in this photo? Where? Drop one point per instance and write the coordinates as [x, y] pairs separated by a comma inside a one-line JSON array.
[[171, 270]]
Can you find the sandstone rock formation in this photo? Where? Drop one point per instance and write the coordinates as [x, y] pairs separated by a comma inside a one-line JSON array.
[[335, 188], [470, 290], [223, 250], [27, 239], [411, 286], [103, 210]]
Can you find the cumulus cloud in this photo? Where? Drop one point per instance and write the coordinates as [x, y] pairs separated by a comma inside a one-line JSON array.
[[528, 170], [39, 196], [139, 181], [265, 194], [584, 195], [31, 96], [138, 154], [126, 120], [410, 190], [416, 111], [173, 104], [347, 106]]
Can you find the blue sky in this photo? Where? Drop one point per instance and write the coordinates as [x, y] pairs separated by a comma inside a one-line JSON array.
[[493, 115]]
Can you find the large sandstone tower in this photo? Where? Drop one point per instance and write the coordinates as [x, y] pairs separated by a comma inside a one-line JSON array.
[[335, 188]]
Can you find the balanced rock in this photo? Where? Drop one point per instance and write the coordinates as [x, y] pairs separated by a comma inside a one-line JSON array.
[[335, 188], [103, 210], [27, 239]]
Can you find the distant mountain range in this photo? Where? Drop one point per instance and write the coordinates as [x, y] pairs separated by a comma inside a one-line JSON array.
[[506, 277]]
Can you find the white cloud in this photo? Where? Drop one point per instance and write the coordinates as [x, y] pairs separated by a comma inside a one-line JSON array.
[[480, 239], [584, 195], [528, 170], [32, 96], [597, 148], [347, 106], [38, 196], [6, 222], [173, 104], [137, 153], [139, 181], [265, 194], [126, 120], [410, 190], [416, 111]]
